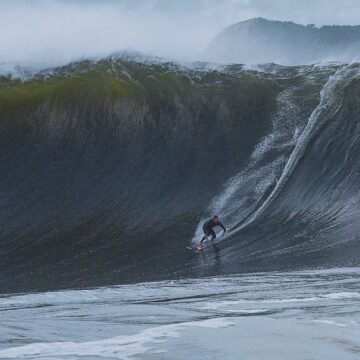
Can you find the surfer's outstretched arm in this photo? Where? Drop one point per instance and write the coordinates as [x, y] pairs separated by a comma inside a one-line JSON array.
[[222, 226]]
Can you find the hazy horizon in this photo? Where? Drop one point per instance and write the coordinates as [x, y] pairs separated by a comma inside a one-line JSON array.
[[60, 31]]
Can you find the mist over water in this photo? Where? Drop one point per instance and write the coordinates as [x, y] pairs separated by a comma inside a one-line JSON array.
[[57, 32], [54, 32]]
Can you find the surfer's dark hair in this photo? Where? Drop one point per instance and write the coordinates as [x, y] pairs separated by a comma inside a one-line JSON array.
[[215, 217]]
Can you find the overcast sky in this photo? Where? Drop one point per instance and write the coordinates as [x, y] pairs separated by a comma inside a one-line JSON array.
[[58, 31]]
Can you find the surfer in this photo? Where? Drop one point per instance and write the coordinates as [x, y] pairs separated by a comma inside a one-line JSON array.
[[208, 228]]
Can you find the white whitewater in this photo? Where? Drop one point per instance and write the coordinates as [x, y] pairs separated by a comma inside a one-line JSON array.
[[305, 314], [285, 133]]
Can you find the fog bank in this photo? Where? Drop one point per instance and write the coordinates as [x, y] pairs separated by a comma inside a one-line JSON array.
[[58, 31]]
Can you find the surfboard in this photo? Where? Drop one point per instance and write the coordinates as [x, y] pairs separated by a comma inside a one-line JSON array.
[[215, 247], [194, 249]]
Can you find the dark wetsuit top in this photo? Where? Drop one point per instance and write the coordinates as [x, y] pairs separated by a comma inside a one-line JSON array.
[[209, 225]]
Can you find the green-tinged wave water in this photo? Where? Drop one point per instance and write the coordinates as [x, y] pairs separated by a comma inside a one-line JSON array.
[[108, 167]]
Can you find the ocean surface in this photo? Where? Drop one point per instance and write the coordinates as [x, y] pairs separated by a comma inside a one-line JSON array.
[[108, 170], [275, 315]]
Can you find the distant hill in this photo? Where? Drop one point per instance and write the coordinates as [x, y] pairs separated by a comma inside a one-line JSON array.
[[263, 41]]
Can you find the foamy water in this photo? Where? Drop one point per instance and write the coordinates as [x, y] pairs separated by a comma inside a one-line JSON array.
[[302, 315]]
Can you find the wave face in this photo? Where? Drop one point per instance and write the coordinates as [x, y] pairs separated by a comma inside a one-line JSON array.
[[306, 214], [108, 170]]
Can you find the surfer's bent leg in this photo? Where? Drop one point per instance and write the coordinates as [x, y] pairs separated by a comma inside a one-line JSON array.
[[206, 234], [213, 235]]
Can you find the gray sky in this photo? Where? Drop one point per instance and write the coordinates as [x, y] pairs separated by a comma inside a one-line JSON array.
[[58, 31]]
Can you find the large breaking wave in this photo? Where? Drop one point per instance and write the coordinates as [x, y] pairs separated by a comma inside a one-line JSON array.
[[109, 168], [330, 102], [301, 208]]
